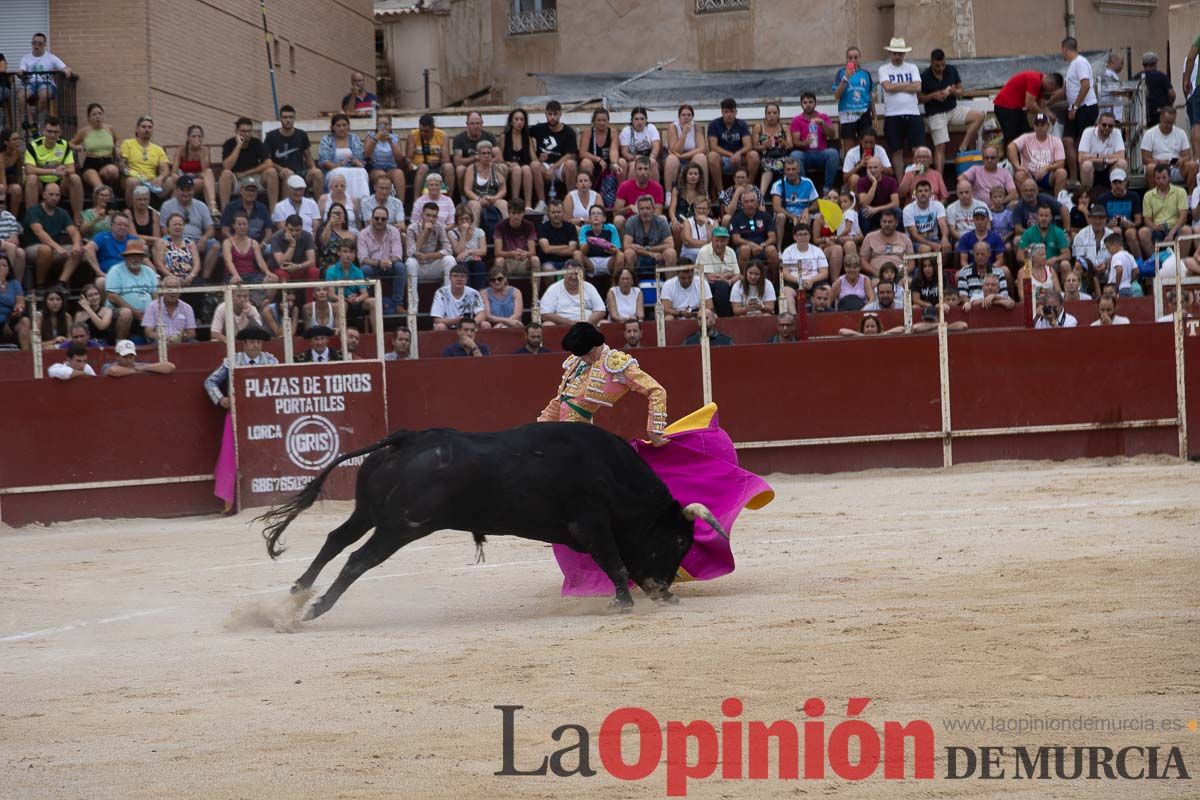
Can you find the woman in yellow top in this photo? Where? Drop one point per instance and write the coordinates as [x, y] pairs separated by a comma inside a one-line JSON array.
[[96, 150], [145, 164]]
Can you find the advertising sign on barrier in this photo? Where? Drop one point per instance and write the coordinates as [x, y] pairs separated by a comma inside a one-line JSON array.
[[292, 422]]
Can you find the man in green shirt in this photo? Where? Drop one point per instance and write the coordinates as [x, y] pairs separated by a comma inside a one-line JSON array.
[[50, 160], [1165, 211], [1058, 249], [51, 238]]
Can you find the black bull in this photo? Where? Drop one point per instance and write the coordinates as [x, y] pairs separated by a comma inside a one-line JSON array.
[[560, 483]]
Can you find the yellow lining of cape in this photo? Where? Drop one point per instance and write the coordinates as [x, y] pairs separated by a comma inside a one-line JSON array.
[[702, 418]]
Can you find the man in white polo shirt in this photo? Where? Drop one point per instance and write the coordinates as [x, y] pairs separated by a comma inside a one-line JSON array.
[[1101, 150], [1082, 106]]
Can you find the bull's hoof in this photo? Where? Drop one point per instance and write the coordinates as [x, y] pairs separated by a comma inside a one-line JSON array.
[[622, 604], [668, 598], [313, 611]]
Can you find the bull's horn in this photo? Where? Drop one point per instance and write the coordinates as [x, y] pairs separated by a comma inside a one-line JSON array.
[[698, 510]]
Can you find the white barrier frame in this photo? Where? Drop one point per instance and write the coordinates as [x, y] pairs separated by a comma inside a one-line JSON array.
[[943, 350], [536, 310], [948, 434], [375, 284], [1180, 366], [661, 324]]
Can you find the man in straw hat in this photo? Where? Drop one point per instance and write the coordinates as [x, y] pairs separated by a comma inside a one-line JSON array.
[[902, 122], [130, 287]]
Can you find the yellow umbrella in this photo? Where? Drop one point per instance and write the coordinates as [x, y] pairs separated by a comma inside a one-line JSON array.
[[832, 213]]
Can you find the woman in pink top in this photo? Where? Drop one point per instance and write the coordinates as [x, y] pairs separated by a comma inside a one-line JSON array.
[[243, 256], [852, 283]]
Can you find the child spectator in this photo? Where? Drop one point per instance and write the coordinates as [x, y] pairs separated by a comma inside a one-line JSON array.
[[1002, 216], [852, 290], [804, 265], [600, 244], [1122, 267], [358, 300]]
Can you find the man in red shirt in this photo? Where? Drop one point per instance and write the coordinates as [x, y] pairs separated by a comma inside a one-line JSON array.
[[630, 190], [1025, 93]]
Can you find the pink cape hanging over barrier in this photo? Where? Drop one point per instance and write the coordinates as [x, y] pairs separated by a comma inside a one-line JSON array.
[[698, 466]]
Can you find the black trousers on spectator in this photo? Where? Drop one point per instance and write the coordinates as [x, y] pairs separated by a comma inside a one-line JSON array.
[[720, 297], [477, 272], [1013, 122]]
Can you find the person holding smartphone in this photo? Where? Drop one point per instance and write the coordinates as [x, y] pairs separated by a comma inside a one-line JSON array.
[[852, 89]]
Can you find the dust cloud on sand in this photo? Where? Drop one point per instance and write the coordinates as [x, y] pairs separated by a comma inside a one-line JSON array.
[[282, 614]]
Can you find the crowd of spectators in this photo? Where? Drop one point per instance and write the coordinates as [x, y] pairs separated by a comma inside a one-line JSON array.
[[814, 207]]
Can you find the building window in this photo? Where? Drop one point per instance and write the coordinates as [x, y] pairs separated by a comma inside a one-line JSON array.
[[714, 6], [1130, 8], [275, 52], [292, 58], [532, 16]]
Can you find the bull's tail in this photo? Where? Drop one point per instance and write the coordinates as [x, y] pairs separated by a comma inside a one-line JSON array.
[[698, 510], [277, 519]]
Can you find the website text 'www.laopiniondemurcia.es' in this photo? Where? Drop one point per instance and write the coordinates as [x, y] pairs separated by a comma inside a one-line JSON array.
[[633, 744]]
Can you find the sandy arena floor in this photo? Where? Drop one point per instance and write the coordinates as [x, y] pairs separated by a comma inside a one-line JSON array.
[[137, 658]]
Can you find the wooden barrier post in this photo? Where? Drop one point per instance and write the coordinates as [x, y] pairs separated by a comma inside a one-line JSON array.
[[35, 335], [288, 344], [908, 308], [161, 326], [377, 318], [701, 316], [413, 299], [230, 330], [943, 352], [944, 369], [801, 315], [536, 312], [341, 331], [1178, 319]]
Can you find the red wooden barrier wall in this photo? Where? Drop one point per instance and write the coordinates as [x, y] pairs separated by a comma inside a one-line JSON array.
[[153, 426]]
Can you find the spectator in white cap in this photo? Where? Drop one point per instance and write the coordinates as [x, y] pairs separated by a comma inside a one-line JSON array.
[[127, 364], [296, 203], [1124, 209]]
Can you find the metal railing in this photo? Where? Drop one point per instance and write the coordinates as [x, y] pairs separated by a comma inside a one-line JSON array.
[[20, 115], [230, 332]]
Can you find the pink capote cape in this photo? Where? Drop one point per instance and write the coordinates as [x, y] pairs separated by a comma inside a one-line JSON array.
[[698, 466], [225, 472]]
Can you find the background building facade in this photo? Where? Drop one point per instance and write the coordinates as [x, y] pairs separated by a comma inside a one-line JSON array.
[[477, 45], [190, 62]]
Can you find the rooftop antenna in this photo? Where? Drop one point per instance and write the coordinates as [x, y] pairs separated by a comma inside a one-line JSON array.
[[603, 98], [267, 38]]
